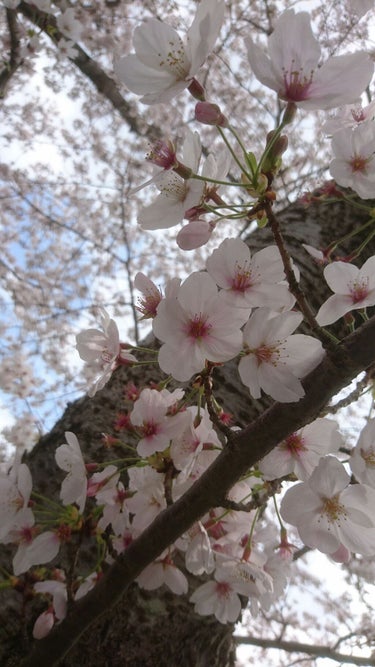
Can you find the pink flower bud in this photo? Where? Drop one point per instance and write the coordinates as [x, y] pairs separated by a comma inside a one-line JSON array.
[[194, 235], [210, 114]]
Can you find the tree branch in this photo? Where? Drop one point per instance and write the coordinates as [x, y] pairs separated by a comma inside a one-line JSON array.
[[103, 83], [14, 56], [310, 649], [353, 355]]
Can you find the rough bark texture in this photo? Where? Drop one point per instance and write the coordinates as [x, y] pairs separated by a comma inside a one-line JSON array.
[[157, 629]]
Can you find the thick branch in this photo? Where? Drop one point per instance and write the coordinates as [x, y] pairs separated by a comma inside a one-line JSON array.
[[355, 354], [14, 57], [310, 649]]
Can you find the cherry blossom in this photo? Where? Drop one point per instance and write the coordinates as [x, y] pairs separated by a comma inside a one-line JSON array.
[[163, 571], [156, 427], [149, 498], [57, 611], [163, 65], [148, 303], [351, 116], [354, 288], [301, 451], [177, 195], [362, 460], [250, 281], [15, 491], [274, 360], [217, 597], [354, 163], [292, 69], [329, 512], [102, 350], [198, 433], [197, 325], [69, 458]]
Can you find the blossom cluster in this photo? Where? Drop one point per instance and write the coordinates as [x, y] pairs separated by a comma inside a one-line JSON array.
[[235, 552], [243, 306]]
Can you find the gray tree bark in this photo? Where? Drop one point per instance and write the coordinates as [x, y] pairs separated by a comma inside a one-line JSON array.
[[159, 629]]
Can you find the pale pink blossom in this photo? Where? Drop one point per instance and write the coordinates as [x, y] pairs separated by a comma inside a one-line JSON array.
[[102, 350], [301, 451], [103, 485], [69, 458], [362, 460], [195, 234], [15, 491], [154, 425], [219, 598], [151, 295], [250, 281], [274, 360], [33, 549], [351, 116], [197, 325], [292, 68], [56, 611], [199, 557], [329, 512], [66, 48], [163, 64], [149, 498], [163, 571], [354, 162], [354, 288], [177, 195], [188, 444]]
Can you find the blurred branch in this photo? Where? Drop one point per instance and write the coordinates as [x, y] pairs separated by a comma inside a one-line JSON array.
[[310, 649], [14, 61]]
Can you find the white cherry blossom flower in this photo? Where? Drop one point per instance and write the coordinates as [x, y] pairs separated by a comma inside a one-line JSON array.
[[362, 460], [197, 325], [148, 303], [102, 350], [351, 116], [329, 512], [15, 491], [354, 288], [301, 451], [163, 571], [275, 360], [156, 426], [56, 612], [177, 195], [69, 458], [68, 25], [217, 597], [163, 64], [354, 162], [292, 69], [250, 281]]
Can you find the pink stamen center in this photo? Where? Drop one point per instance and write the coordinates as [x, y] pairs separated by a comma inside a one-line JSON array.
[[297, 85], [359, 290], [198, 328]]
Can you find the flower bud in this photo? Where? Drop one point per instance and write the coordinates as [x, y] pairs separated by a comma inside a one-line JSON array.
[[210, 114]]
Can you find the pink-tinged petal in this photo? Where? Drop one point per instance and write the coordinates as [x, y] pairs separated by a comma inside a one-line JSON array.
[[282, 325], [318, 532], [159, 46], [175, 580], [262, 67], [298, 500], [280, 383], [141, 79], [292, 45], [335, 307], [329, 477], [331, 89], [302, 353], [43, 624], [204, 31], [194, 235], [339, 275], [248, 370]]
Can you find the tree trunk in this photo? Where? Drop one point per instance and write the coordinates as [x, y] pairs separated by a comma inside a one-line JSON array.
[[156, 629]]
